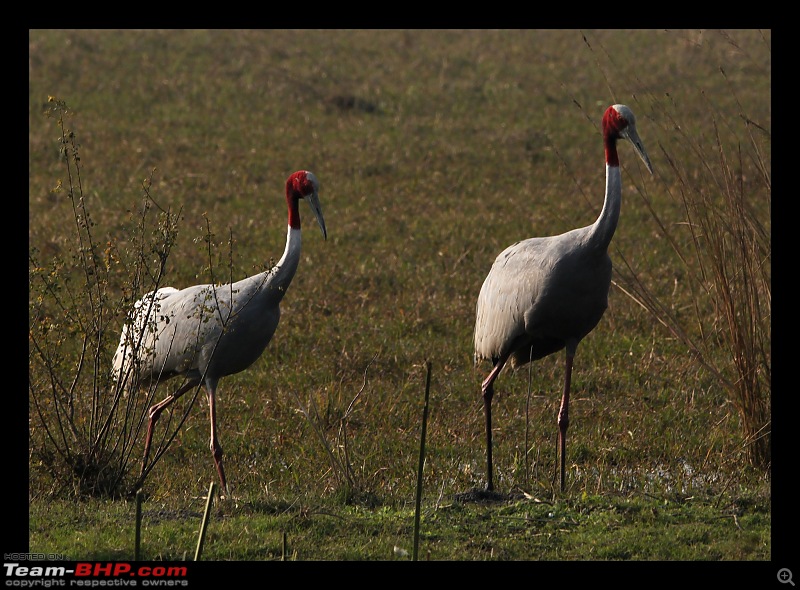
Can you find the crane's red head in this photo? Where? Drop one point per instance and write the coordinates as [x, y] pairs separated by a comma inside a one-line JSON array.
[[616, 118], [613, 123], [304, 185], [301, 184], [619, 122]]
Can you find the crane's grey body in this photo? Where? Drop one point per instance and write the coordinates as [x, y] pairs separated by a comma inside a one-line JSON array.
[[540, 294], [206, 332], [546, 294]]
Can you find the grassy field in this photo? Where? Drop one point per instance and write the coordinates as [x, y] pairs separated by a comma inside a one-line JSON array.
[[435, 150]]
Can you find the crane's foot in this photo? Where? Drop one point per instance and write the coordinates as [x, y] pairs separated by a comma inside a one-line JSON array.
[[224, 490], [216, 452]]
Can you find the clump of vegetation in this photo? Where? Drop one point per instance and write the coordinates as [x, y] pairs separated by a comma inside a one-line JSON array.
[[724, 249], [84, 425]]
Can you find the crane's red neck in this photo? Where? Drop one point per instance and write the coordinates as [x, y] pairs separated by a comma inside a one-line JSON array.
[[294, 211], [613, 124]]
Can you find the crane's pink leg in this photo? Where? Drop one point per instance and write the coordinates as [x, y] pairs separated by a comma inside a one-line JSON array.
[[216, 448], [155, 412], [563, 418], [487, 388]]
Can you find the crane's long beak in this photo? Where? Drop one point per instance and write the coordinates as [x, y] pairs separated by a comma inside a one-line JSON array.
[[313, 202], [638, 146]]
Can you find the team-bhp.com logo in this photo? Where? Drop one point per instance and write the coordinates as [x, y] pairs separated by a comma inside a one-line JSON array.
[[94, 574]]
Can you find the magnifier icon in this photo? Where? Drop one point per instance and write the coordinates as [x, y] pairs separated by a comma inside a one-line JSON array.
[[785, 576]]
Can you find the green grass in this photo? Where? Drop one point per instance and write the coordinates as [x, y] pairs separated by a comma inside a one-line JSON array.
[[452, 145], [606, 527]]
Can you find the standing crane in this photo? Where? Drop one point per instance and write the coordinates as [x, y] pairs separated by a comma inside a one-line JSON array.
[[206, 332], [545, 294]]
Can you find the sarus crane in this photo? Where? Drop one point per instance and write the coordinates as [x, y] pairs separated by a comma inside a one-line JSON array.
[[545, 294], [205, 332]]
